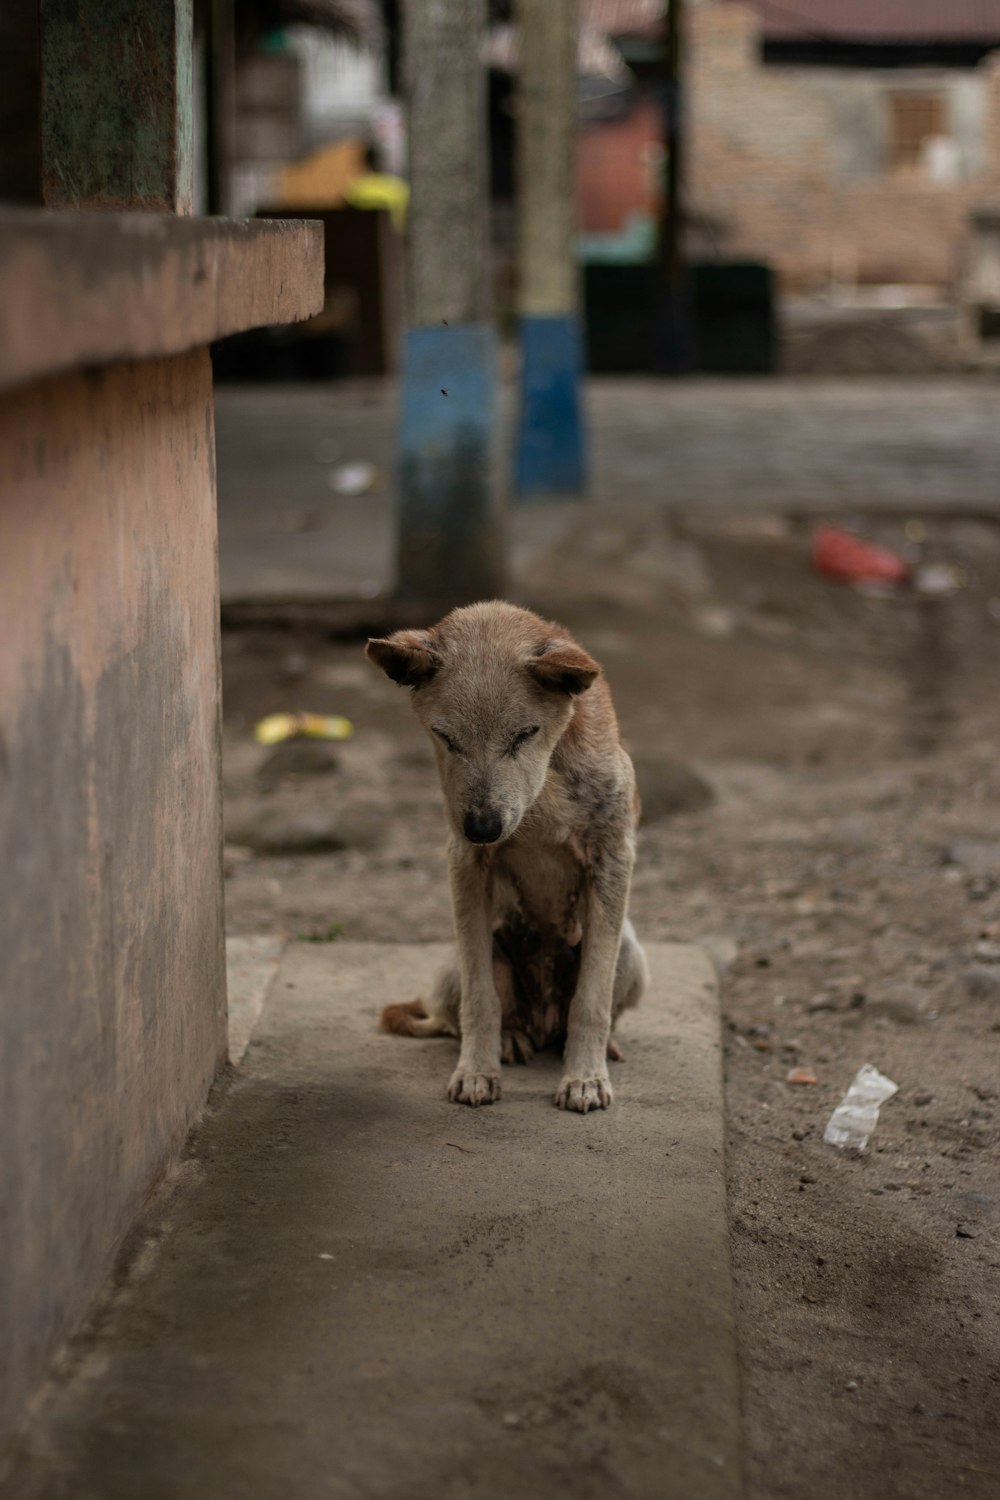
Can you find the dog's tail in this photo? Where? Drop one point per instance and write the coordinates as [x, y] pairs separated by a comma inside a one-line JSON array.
[[413, 1019]]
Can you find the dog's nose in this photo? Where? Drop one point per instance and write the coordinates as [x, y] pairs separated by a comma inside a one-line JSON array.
[[483, 827]]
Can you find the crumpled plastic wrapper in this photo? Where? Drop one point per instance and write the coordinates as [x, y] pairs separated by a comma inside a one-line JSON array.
[[856, 1116]]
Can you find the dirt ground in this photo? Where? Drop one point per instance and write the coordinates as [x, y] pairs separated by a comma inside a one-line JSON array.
[[820, 772]]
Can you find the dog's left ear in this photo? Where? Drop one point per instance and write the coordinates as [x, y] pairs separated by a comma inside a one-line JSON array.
[[563, 667], [407, 656]]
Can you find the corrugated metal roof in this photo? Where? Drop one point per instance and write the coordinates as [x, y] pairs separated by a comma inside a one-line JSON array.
[[879, 20]]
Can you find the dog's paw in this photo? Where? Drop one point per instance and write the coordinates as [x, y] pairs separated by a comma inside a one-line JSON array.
[[584, 1094], [467, 1087]]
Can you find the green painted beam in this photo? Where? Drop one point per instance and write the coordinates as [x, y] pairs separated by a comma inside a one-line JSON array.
[[117, 102]]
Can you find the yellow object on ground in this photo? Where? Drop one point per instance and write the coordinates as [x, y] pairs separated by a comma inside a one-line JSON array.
[[380, 190], [278, 727]]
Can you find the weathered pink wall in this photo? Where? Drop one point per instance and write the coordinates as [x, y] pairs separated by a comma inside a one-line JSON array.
[[112, 1019]]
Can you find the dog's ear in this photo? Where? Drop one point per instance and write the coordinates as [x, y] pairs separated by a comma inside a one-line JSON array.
[[407, 656], [563, 667]]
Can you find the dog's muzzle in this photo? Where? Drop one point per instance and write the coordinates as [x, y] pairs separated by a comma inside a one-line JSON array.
[[482, 827]]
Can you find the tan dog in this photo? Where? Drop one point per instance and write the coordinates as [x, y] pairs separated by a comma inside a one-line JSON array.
[[542, 809]]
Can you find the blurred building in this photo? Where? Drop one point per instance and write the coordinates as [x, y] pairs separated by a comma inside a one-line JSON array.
[[844, 141], [840, 141]]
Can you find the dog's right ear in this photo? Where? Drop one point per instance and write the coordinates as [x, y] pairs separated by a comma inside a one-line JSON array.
[[407, 656]]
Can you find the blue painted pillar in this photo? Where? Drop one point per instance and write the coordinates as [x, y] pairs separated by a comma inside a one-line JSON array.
[[550, 458], [450, 532], [450, 518]]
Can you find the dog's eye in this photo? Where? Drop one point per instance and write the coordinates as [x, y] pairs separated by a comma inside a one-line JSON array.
[[522, 738], [448, 744]]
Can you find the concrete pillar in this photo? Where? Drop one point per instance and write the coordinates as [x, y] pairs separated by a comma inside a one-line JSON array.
[[550, 440], [117, 128], [450, 544]]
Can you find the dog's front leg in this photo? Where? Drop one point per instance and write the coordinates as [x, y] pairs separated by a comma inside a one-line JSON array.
[[585, 1084], [476, 1080]]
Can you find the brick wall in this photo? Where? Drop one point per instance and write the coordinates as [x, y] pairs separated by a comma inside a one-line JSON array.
[[786, 163]]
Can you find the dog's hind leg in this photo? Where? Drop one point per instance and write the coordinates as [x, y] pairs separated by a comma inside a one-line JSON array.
[[631, 980], [439, 1017]]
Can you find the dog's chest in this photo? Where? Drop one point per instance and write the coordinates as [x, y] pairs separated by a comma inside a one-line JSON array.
[[544, 883]]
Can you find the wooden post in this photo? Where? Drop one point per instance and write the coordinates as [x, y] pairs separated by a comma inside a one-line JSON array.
[[675, 353], [550, 444], [219, 93], [117, 104], [450, 545]]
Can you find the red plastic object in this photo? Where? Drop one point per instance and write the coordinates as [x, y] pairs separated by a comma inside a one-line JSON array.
[[840, 555]]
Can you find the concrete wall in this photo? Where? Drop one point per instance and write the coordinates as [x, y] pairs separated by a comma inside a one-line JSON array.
[[112, 1021], [791, 164]]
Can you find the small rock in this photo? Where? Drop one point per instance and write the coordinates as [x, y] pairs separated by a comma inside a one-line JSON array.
[[979, 857], [902, 1005], [923, 1098], [851, 1385], [840, 1003], [823, 1002], [986, 951], [667, 787], [982, 981], [298, 758], [964, 1232], [798, 1135], [313, 830]]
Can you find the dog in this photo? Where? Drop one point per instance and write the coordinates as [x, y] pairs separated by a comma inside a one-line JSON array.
[[542, 809]]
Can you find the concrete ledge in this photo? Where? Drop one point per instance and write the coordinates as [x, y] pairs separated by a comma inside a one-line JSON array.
[[91, 289], [251, 964], [364, 1290]]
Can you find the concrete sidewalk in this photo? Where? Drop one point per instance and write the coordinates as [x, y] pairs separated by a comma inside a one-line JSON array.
[[361, 1290]]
